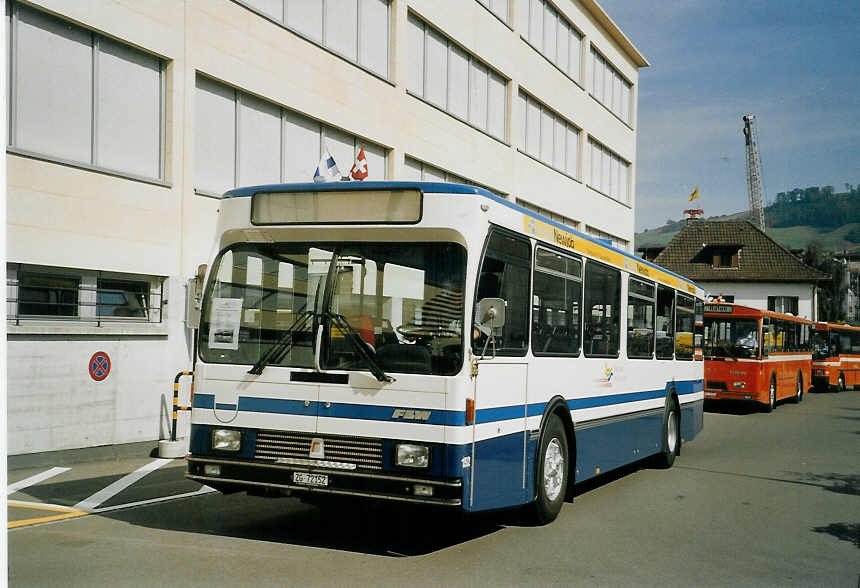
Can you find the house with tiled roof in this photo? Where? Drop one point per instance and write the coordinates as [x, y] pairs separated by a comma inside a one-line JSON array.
[[741, 263]]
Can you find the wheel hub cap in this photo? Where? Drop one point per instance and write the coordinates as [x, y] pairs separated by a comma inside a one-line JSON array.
[[553, 469], [672, 432]]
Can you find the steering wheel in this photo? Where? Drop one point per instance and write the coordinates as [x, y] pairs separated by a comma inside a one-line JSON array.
[[415, 333]]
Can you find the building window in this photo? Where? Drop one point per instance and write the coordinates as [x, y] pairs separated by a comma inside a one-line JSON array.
[[610, 175], [357, 30], [242, 140], [418, 171], [47, 295], [784, 304], [559, 218], [546, 136], [616, 242], [51, 293], [454, 80], [500, 8], [550, 33], [78, 97], [608, 86]]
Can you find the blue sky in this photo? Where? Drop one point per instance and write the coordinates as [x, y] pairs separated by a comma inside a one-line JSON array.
[[794, 64]]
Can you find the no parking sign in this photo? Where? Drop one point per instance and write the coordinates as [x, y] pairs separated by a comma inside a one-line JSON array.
[[99, 366]]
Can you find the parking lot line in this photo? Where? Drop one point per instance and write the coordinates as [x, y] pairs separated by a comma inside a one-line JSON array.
[[11, 488], [65, 512], [120, 485]]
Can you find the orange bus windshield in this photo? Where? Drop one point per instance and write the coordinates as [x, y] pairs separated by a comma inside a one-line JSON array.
[[731, 337]]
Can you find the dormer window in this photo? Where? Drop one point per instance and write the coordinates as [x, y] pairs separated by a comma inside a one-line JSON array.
[[719, 256]]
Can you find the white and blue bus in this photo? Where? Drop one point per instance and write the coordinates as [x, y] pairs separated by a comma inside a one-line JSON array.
[[432, 343]]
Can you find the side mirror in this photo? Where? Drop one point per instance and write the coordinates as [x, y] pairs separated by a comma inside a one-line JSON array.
[[491, 312], [194, 297]]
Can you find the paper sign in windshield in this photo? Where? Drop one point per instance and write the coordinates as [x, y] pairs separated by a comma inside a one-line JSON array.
[[224, 322]]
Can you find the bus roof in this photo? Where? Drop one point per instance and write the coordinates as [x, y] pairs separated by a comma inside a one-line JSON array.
[[435, 188], [739, 310]]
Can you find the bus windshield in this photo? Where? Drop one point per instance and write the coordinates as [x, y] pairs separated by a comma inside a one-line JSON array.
[[401, 303], [820, 345], [735, 338]]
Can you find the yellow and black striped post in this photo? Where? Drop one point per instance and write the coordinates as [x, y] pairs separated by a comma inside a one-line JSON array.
[[176, 406]]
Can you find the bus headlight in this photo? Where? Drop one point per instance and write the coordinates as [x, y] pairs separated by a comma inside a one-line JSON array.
[[226, 440], [739, 385], [412, 456]]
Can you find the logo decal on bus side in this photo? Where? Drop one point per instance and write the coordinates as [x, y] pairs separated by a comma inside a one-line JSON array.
[[411, 415]]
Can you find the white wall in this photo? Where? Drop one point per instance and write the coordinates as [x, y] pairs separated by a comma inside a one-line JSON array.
[[755, 294]]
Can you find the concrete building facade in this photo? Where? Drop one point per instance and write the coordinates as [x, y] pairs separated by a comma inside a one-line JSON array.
[[127, 120]]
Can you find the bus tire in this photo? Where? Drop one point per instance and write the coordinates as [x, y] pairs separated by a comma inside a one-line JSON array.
[[671, 435], [552, 472], [840, 385], [798, 394], [771, 395]]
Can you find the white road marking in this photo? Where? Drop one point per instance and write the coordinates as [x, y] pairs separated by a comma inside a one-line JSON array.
[[34, 479], [203, 490], [120, 485]]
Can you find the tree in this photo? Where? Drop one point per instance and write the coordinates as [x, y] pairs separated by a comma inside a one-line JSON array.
[[831, 293]]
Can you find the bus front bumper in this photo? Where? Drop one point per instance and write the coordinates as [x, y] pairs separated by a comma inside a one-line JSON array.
[[234, 475]]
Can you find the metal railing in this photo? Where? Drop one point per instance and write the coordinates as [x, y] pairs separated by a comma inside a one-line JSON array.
[[83, 303]]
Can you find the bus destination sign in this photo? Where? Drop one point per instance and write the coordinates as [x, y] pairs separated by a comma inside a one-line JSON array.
[[723, 308]]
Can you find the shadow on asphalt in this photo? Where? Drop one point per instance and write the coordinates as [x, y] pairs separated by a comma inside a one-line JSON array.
[[842, 531], [735, 407], [393, 530]]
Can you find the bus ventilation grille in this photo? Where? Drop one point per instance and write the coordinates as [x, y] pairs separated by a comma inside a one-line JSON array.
[[365, 453]]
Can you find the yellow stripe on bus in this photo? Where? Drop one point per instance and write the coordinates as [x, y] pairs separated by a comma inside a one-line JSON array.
[[546, 232]]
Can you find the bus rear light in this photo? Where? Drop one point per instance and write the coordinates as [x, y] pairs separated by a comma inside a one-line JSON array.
[[470, 411]]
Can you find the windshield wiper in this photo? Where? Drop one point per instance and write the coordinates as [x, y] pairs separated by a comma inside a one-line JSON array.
[[360, 346], [278, 350]]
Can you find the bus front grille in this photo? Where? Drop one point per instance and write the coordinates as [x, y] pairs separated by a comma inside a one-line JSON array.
[[364, 453], [715, 385]]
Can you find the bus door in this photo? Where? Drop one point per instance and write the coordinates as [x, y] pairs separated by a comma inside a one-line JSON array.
[[500, 339]]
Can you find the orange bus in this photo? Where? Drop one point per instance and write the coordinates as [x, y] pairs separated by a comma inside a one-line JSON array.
[[756, 355], [835, 357]]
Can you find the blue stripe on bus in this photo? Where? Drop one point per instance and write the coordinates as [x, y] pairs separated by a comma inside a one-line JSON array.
[[277, 406], [224, 406], [451, 418]]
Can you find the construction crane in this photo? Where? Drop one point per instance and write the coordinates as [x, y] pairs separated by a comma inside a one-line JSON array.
[[754, 188]]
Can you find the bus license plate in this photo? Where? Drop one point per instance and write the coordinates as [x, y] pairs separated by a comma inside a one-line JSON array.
[[310, 479]]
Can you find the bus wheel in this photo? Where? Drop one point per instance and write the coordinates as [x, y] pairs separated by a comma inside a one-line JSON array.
[[840, 386], [552, 473], [771, 399], [671, 436], [798, 395]]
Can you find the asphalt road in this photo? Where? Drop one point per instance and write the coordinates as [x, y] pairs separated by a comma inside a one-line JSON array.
[[756, 500]]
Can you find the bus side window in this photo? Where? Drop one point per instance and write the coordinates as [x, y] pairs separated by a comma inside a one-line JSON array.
[[768, 335], [556, 303], [640, 319], [505, 273], [684, 316], [602, 310], [665, 322]]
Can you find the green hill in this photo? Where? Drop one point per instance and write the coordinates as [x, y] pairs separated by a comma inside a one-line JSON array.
[[831, 219]]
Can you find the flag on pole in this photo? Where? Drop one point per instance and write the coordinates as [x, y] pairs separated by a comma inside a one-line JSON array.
[[359, 168], [327, 170], [695, 194]]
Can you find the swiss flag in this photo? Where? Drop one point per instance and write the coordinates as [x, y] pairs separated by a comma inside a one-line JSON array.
[[359, 168]]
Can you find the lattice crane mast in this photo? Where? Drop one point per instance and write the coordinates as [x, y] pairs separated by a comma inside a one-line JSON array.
[[754, 187]]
